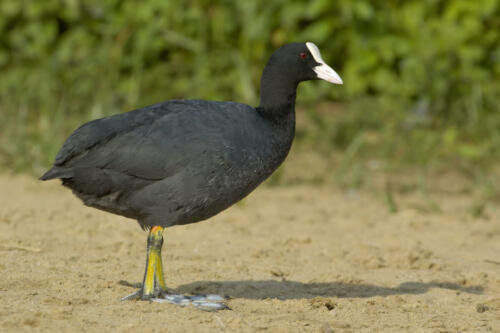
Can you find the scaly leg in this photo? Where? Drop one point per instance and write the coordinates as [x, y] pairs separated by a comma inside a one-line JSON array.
[[153, 284], [154, 287]]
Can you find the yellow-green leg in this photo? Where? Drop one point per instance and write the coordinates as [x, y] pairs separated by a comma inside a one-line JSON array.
[[154, 287], [153, 284]]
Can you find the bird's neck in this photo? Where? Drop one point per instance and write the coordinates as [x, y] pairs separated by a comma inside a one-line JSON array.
[[277, 93], [279, 113]]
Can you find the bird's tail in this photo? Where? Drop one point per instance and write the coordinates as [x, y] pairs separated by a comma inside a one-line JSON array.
[[57, 172]]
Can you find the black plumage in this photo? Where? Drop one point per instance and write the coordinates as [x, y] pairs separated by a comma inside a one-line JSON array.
[[173, 163], [183, 161]]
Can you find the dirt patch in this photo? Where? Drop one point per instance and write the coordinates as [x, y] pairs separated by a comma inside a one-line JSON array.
[[292, 259]]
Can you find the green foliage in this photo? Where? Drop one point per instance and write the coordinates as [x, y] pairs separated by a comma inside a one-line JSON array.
[[422, 77]]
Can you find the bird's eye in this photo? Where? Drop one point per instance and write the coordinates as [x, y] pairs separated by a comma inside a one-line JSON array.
[[303, 55]]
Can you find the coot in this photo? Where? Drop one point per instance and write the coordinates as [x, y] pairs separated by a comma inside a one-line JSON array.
[[183, 161]]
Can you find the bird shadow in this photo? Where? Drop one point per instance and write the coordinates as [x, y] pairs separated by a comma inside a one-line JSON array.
[[284, 290]]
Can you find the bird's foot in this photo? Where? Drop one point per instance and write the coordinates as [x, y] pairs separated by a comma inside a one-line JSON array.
[[154, 289], [209, 302]]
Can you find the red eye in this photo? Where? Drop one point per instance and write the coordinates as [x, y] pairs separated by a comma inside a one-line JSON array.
[[303, 55]]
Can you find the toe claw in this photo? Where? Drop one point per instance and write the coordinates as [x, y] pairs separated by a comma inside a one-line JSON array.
[[132, 297], [216, 298], [210, 306]]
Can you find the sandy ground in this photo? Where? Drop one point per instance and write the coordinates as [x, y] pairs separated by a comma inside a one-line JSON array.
[[292, 259]]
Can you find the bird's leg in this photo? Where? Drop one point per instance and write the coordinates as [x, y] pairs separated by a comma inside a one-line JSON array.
[[154, 287], [153, 284]]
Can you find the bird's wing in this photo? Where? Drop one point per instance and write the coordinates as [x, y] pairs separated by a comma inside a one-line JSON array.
[[100, 131], [156, 146]]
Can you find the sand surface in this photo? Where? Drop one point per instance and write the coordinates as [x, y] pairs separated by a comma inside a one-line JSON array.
[[293, 259]]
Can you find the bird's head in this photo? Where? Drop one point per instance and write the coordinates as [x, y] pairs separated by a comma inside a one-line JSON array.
[[301, 62]]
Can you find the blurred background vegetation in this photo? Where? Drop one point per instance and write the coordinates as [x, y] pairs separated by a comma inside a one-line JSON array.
[[421, 77]]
